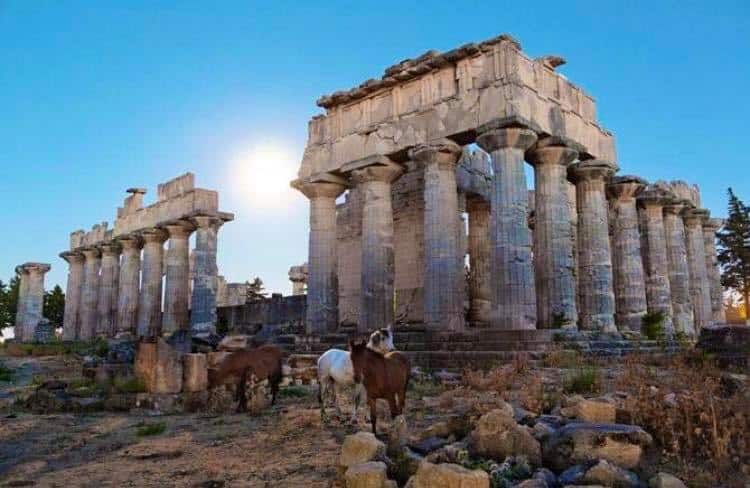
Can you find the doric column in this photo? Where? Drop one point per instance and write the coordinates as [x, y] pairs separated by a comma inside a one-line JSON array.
[[149, 299], [595, 279], [376, 293], [553, 247], [23, 290], [129, 286], [205, 276], [322, 286], [71, 323], [654, 252], [700, 289], [513, 292], [443, 278], [177, 281], [31, 302], [679, 277], [710, 228], [90, 295], [298, 277], [630, 291], [479, 259], [107, 302]]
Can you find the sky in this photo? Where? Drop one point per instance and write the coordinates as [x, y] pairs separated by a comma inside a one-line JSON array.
[[99, 96]]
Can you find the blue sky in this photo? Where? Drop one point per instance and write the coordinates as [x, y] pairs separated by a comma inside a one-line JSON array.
[[99, 96]]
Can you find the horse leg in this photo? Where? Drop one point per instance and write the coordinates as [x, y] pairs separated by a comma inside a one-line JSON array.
[[373, 414], [275, 380], [241, 394], [393, 405], [357, 400]]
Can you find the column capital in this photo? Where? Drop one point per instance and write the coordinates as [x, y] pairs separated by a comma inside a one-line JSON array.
[[179, 229], [323, 185], [676, 206], [109, 248], [625, 187], [554, 150], [592, 169], [475, 203], [443, 152], [381, 170], [72, 257], [130, 241], [653, 196], [695, 217], [713, 225], [154, 235], [91, 252], [493, 137], [206, 221], [33, 268]]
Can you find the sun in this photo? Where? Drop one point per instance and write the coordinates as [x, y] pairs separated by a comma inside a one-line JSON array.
[[260, 176]]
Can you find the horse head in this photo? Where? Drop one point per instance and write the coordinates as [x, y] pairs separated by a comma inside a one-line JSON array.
[[382, 340], [358, 355]]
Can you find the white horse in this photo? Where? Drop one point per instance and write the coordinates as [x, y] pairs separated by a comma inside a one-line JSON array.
[[335, 370]]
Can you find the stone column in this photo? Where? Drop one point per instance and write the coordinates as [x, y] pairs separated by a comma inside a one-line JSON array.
[[31, 301], [513, 291], [630, 292], [177, 282], [107, 301], [553, 247], [298, 277], [710, 228], [443, 278], [89, 298], [376, 292], [322, 285], [595, 279], [205, 276], [479, 259], [149, 299], [655, 259], [71, 323], [700, 289], [679, 277], [129, 286]]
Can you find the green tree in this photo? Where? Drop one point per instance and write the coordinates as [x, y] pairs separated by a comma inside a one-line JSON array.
[[6, 318], [54, 306], [733, 255], [255, 290]]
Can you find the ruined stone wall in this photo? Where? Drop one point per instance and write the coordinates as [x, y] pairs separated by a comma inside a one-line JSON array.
[[278, 310], [349, 241]]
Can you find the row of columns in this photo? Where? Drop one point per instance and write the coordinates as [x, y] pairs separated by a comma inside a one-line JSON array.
[[570, 273], [29, 308], [115, 289]]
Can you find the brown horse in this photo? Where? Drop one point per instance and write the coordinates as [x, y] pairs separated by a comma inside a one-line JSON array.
[[383, 375], [265, 362]]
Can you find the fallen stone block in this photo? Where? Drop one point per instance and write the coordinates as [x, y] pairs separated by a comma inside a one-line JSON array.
[[497, 436], [366, 475], [361, 447], [447, 476]]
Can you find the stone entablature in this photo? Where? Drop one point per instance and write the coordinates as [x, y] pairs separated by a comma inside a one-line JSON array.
[[450, 95]]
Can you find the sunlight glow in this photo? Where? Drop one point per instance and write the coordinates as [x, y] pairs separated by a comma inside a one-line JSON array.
[[259, 177]]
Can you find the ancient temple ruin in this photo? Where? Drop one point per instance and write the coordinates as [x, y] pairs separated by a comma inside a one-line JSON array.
[[122, 282], [442, 139], [29, 312]]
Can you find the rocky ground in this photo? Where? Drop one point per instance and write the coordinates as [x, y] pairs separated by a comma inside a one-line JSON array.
[[510, 427]]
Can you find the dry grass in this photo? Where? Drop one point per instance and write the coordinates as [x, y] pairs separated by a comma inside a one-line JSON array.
[[699, 421]]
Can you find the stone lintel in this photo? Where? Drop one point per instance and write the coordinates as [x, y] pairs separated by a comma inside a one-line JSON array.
[[592, 169], [555, 141], [369, 161]]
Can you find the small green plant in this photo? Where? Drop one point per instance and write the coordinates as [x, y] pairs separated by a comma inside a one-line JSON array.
[[559, 320], [146, 429], [294, 391], [585, 379], [132, 384], [652, 325], [6, 374]]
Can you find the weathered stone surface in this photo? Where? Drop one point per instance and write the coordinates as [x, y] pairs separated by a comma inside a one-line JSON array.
[[578, 443], [233, 343], [71, 322], [594, 411], [443, 275], [665, 480], [361, 447], [607, 474], [195, 371], [129, 285], [366, 475], [595, 279], [447, 476], [90, 294], [679, 276], [322, 287], [205, 276], [106, 310], [513, 288], [480, 290], [729, 343], [553, 244], [710, 228], [149, 300], [159, 366], [630, 289], [30, 299], [177, 281], [497, 435], [700, 288]]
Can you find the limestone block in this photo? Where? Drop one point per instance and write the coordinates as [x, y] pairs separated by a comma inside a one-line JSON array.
[[665, 480], [607, 474], [578, 443], [447, 476], [497, 435], [366, 475], [159, 366], [195, 372], [361, 447], [595, 411]]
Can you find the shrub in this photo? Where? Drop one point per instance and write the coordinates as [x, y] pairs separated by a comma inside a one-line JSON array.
[[582, 380], [145, 429], [294, 391], [6, 374], [132, 384], [652, 325]]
